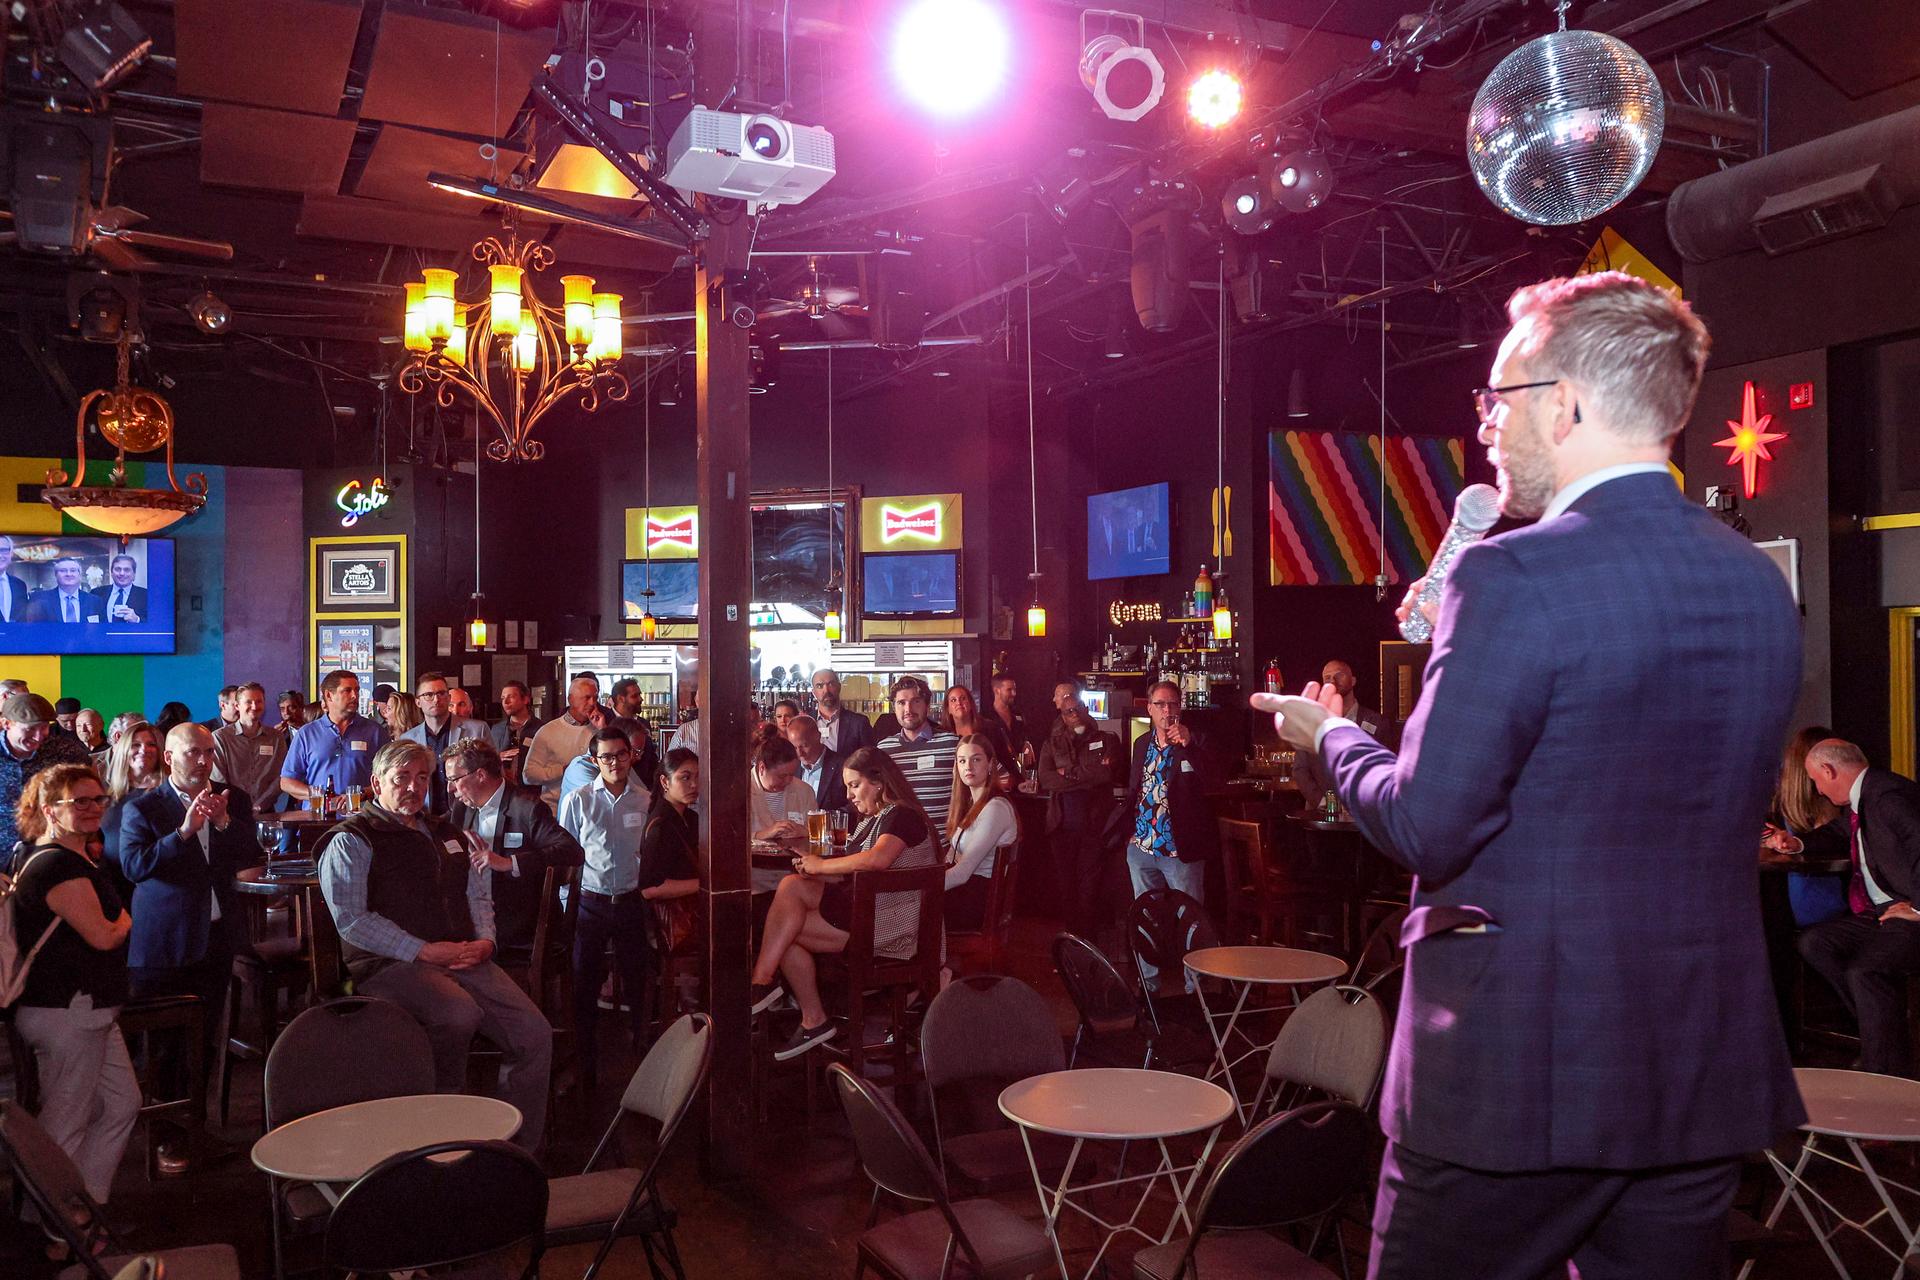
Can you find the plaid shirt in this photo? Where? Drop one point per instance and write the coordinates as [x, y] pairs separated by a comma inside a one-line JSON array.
[[1153, 821]]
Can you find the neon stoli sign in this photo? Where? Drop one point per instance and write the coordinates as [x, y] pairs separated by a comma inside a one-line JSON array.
[[921, 522], [357, 502]]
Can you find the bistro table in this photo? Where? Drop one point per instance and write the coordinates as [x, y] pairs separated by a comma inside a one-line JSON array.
[[334, 1147], [1244, 968], [1853, 1107], [1115, 1104]]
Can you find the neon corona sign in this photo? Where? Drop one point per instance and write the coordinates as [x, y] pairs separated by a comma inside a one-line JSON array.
[[357, 502], [920, 522], [1120, 613]]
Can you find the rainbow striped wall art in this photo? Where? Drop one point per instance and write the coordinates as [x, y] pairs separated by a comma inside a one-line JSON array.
[[1324, 505]]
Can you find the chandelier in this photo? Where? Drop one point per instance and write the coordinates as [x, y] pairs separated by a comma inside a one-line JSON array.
[[512, 353], [131, 419]]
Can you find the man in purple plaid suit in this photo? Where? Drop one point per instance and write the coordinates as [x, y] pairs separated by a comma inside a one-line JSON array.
[[1587, 1041]]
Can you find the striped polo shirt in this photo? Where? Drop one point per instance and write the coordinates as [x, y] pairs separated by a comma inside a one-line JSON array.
[[928, 764]]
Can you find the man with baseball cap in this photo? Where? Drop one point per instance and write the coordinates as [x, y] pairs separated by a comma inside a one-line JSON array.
[[28, 744]]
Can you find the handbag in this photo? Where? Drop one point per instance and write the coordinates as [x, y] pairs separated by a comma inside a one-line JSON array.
[[14, 966]]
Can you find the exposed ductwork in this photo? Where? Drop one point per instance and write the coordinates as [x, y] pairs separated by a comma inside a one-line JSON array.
[[1835, 186]]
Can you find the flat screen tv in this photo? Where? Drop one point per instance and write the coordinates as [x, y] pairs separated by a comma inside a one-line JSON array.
[[1127, 532], [85, 594], [911, 584], [676, 590]]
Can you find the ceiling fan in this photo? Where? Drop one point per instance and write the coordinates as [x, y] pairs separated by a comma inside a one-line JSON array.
[[110, 234], [818, 298]]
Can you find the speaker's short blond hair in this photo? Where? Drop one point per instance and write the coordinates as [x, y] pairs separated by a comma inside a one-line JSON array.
[[1636, 351]]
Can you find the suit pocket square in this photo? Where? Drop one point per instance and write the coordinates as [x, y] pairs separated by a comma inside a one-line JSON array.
[[1425, 922]]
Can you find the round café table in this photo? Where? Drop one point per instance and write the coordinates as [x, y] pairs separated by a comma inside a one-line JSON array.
[[1115, 1104], [335, 1147], [1845, 1109], [1242, 969]]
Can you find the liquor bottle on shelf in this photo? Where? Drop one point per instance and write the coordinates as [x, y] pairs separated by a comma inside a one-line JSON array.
[[1202, 594], [1273, 677]]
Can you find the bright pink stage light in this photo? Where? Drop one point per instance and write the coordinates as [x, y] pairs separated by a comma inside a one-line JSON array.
[[1214, 99], [951, 56]]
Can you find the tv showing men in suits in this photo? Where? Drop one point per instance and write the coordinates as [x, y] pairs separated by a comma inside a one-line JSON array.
[[80, 595]]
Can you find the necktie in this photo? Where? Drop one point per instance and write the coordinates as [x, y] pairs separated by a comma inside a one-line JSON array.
[[1857, 900], [73, 614], [119, 598]]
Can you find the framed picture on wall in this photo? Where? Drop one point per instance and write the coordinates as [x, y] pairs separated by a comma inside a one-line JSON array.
[[359, 577]]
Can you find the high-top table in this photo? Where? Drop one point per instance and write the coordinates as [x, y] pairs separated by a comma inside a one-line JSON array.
[[1244, 968], [1846, 1109], [1115, 1104]]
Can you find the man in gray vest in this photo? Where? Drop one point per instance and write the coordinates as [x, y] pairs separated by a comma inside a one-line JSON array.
[[416, 927]]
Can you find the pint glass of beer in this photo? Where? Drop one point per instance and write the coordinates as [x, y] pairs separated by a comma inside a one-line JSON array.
[[817, 826]]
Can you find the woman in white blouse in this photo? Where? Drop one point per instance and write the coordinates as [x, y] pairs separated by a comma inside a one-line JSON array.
[[779, 799], [980, 822]]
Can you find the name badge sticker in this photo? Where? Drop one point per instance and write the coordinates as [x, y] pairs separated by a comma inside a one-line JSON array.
[[1098, 744], [632, 820], [266, 750], [514, 840], [357, 746], [924, 764], [1186, 766], [453, 846]]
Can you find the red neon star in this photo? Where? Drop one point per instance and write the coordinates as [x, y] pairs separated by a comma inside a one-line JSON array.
[[1748, 443]]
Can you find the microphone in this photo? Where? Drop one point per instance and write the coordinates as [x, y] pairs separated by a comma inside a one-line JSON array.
[[1474, 512]]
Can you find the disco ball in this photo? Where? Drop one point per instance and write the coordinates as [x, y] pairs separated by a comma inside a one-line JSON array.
[[1565, 127]]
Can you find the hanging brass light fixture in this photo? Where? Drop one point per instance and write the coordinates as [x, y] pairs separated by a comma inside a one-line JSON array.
[[133, 420], [512, 353]]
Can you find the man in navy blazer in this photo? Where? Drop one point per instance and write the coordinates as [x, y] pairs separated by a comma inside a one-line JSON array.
[[1868, 953], [181, 845], [844, 731], [520, 840], [1587, 1041]]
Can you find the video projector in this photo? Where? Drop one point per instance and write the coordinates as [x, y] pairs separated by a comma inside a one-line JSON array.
[[761, 159]]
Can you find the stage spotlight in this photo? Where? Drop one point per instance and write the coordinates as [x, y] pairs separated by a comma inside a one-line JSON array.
[[209, 313], [1161, 278], [951, 56], [1123, 76], [1116, 345], [1297, 406], [1299, 182], [1247, 207], [1213, 99]]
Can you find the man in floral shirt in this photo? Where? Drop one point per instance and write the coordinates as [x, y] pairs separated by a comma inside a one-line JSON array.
[[1173, 832]]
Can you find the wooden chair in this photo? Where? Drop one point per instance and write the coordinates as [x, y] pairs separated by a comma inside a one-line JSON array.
[[1281, 901], [979, 950], [671, 963], [546, 974], [269, 969], [180, 1018], [141, 1019], [896, 981]]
